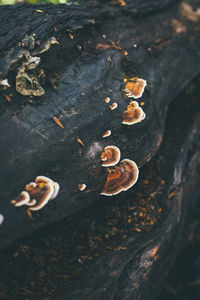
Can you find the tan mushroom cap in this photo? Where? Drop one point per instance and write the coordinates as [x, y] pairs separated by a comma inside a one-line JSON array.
[[81, 187], [113, 106], [132, 105], [131, 117], [42, 194], [106, 134], [107, 99], [135, 87], [22, 199], [121, 178], [43, 179], [110, 156]]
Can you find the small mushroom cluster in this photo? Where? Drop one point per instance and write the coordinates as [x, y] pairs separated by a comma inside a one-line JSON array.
[[37, 194], [120, 178], [134, 88]]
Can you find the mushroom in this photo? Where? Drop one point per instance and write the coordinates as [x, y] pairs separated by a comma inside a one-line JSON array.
[[1, 219], [113, 106], [81, 187], [133, 114], [106, 134], [131, 117], [42, 193], [134, 88], [132, 105], [107, 99], [110, 156], [37, 194], [121, 178], [43, 179], [22, 199]]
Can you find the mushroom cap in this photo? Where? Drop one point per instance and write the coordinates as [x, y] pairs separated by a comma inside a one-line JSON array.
[[110, 156], [113, 106], [135, 88], [107, 133], [22, 199], [81, 187], [43, 179], [121, 178], [131, 117], [107, 99], [30, 186], [132, 105], [42, 195]]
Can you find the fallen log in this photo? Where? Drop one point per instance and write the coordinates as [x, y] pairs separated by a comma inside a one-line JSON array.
[[122, 248], [64, 63]]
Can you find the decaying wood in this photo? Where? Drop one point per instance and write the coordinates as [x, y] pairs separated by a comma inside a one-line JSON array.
[[51, 55], [122, 248]]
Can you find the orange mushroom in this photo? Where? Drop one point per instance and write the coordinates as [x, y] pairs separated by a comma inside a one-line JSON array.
[[134, 88], [81, 187], [133, 114], [110, 156], [37, 194], [121, 178], [43, 179], [131, 117], [132, 105], [42, 194], [107, 99]]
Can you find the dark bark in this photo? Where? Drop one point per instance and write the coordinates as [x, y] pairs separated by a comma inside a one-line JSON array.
[[122, 248], [32, 144]]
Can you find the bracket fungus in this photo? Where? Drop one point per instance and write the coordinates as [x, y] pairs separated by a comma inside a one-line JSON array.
[[107, 99], [134, 88], [113, 106], [44, 179], [106, 134], [37, 194], [42, 193], [121, 178], [110, 156], [81, 187], [133, 114]]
